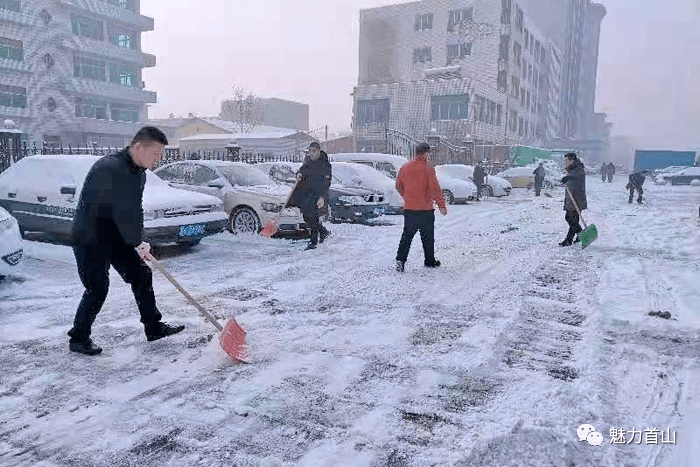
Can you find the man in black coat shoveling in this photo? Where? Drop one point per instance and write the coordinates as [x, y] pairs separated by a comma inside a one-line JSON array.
[[106, 232], [311, 192], [479, 177], [636, 180], [575, 181]]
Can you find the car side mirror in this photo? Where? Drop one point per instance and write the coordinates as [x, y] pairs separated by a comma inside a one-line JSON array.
[[216, 184], [68, 190]]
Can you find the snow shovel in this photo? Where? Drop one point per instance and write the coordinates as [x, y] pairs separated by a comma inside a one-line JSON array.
[[590, 232], [271, 226], [231, 337]]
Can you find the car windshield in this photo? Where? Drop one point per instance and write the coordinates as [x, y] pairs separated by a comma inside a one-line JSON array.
[[245, 176]]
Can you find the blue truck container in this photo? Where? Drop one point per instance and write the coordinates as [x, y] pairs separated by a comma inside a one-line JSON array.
[[660, 159]]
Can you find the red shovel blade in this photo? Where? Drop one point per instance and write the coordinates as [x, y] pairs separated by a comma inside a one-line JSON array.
[[232, 340], [269, 230]]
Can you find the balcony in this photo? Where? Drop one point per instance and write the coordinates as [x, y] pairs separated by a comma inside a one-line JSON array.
[[13, 65], [107, 11], [109, 51], [91, 125], [89, 87], [7, 16]]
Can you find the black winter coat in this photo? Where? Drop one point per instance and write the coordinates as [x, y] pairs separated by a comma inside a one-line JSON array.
[[576, 181], [110, 207], [636, 180], [314, 184], [539, 173], [479, 175]]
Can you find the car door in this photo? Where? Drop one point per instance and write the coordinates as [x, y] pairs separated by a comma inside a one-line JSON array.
[[18, 192]]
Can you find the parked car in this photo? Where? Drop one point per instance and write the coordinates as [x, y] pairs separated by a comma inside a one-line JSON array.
[[361, 176], [388, 164], [494, 186], [659, 176], [345, 204], [522, 177], [685, 176], [454, 189], [42, 192], [11, 251], [251, 198]]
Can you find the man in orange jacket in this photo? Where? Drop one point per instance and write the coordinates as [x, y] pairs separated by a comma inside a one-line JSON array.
[[419, 187]]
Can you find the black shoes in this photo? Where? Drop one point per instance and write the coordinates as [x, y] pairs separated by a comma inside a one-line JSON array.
[[399, 266], [566, 242], [87, 347], [324, 235], [310, 246], [163, 330], [434, 264]]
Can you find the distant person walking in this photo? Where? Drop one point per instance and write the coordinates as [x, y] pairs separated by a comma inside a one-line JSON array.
[[419, 187], [539, 174], [575, 181], [611, 172], [604, 171]]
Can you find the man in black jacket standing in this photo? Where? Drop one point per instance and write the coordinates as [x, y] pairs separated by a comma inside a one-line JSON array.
[[539, 174], [107, 230], [636, 180], [575, 181], [311, 193], [479, 177]]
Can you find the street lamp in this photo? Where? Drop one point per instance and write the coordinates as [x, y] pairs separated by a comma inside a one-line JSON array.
[[233, 151], [468, 143], [433, 139]]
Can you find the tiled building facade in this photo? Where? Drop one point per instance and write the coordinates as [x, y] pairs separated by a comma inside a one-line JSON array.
[[70, 70], [466, 68]]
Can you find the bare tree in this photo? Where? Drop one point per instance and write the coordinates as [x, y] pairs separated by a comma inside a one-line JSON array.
[[245, 111]]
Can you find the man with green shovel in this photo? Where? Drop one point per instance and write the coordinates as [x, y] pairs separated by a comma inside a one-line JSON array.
[[575, 186]]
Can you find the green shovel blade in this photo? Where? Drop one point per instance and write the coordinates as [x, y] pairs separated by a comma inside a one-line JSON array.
[[588, 235]]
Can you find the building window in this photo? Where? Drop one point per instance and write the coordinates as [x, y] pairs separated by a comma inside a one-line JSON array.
[[521, 127], [502, 81], [523, 95], [125, 40], [129, 5], [13, 96], [515, 84], [499, 114], [457, 16], [423, 55], [373, 111], [456, 51], [504, 47], [513, 121], [451, 107], [543, 57], [519, 19], [124, 76], [87, 27], [537, 51], [12, 5], [424, 21], [527, 39], [527, 100], [124, 113], [487, 111], [90, 108], [11, 49], [91, 69], [524, 65], [517, 52]]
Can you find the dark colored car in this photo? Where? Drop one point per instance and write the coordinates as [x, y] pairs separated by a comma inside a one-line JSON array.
[[345, 204]]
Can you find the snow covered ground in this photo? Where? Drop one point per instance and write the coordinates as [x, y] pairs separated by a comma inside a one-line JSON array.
[[494, 359]]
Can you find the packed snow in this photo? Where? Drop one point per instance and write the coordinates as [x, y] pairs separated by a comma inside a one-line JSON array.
[[494, 359]]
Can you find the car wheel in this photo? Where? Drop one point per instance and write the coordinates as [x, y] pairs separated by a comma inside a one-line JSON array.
[[244, 220], [485, 192], [2, 278], [547, 185], [449, 197]]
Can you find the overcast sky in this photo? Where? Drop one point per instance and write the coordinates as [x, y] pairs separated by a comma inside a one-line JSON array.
[[307, 50]]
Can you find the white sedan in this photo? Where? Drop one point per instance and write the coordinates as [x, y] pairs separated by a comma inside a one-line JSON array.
[[362, 176], [454, 189], [10, 244], [494, 186]]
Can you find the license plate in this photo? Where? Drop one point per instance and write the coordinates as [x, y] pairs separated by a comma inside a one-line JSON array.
[[191, 230]]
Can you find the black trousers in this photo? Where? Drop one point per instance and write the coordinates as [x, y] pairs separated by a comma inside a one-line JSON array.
[[414, 221], [572, 218], [640, 191], [538, 186], [313, 220], [93, 267], [610, 176]]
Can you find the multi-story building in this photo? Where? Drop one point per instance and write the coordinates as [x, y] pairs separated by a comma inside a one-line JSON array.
[[270, 112], [574, 26], [476, 69], [71, 70]]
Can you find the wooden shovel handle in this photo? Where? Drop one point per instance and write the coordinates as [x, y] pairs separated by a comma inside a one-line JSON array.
[[189, 297], [573, 200]]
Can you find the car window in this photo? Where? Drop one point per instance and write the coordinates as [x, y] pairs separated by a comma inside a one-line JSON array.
[[204, 175], [281, 172], [387, 167], [245, 176], [173, 173], [367, 163]]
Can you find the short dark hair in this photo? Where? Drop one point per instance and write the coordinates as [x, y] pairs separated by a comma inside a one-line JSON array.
[[148, 135], [314, 144], [422, 148], [571, 156]]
